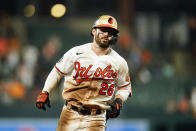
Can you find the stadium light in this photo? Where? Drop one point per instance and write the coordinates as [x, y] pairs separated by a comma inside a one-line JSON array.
[[58, 10], [29, 10]]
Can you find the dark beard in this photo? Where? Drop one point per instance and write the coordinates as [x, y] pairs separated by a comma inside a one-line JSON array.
[[102, 45]]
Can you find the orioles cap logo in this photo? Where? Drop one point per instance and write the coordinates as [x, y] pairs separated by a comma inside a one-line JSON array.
[[110, 20]]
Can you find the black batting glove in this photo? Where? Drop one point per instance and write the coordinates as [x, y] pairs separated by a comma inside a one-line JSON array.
[[114, 112]]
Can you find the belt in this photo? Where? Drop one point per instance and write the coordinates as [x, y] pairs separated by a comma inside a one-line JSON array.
[[85, 110]]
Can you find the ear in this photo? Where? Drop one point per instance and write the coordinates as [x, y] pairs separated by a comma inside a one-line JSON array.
[[93, 31]]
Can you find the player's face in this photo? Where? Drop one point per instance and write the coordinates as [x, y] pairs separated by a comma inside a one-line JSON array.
[[103, 36]]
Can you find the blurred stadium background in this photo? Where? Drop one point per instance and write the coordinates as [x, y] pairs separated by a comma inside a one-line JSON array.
[[157, 38]]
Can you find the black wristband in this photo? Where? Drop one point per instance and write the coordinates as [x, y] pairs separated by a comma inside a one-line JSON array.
[[119, 101]]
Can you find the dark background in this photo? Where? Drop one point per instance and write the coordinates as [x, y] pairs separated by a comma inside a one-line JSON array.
[[157, 38]]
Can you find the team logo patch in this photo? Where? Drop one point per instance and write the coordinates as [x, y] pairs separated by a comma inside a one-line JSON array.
[[110, 20]]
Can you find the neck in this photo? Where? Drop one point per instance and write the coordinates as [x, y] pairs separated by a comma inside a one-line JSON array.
[[98, 50]]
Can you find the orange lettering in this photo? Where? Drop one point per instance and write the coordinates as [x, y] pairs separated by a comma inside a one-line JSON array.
[[98, 72], [77, 68], [105, 71], [85, 74]]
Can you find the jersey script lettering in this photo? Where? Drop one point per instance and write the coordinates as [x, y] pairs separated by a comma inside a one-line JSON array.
[[83, 71]]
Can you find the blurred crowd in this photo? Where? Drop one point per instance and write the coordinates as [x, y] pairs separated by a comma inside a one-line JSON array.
[[163, 49], [154, 50], [23, 66]]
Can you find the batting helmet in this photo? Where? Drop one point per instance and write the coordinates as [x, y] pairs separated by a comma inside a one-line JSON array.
[[106, 21]]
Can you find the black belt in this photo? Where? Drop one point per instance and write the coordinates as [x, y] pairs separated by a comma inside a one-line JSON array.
[[84, 110]]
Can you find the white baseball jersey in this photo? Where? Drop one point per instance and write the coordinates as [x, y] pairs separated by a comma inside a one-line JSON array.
[[92, 80]]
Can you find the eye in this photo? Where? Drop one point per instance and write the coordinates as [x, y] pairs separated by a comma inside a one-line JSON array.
[[110, 32]]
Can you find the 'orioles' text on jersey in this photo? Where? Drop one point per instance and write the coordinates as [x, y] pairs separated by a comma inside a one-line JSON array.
[[92, 80]]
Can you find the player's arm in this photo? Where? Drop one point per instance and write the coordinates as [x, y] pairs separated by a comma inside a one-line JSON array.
[[63, 66], [50, 83], [122, 93], [52, 80]]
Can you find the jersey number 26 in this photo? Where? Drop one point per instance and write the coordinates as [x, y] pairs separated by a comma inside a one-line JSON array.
[[107, 89]]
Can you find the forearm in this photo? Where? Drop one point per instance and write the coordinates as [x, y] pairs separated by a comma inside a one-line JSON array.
[[51, 81], [123, 93]]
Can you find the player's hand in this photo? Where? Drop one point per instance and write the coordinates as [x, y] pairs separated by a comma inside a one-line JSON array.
[[114, 112], [42, 99]]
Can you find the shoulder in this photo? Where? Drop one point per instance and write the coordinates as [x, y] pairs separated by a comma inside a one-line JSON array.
[[78, 49], [118, 57], [82, 47], [123, 67]]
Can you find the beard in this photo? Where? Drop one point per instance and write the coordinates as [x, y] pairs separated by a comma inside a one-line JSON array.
[[101, 42]]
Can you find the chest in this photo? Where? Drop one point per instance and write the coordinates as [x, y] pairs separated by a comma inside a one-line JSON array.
[[96, 67]]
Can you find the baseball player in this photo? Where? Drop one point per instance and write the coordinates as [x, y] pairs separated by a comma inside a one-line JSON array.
[[96, 81]]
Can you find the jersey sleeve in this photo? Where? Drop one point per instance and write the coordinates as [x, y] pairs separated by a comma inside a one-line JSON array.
[[66, 64], [123, 79]]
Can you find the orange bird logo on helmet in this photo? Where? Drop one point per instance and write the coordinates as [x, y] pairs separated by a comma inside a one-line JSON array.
[[110, 20]]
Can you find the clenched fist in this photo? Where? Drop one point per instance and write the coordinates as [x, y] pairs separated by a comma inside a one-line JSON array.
[[116, 106], [42, 99]]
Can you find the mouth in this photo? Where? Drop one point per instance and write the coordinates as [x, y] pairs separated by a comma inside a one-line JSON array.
[[105, 39]]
